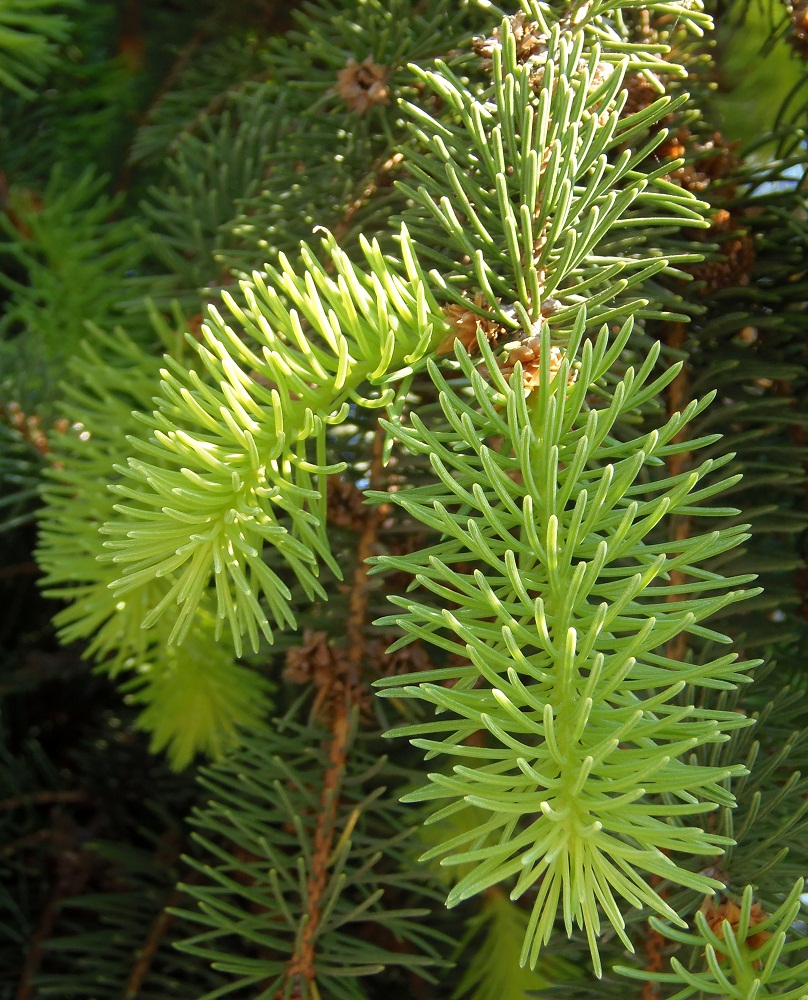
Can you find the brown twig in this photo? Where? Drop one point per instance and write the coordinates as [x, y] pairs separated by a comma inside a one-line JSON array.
[[275, 17], [43, 798], [358, 601], [33, 959], [28, 840], [73, 874], [215, 105], [654, 962], [184, 56], [130, 43], [146, 954], [301, 967], [654, 948]]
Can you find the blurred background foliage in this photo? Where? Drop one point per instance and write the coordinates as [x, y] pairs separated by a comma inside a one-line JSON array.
[[760, 84]]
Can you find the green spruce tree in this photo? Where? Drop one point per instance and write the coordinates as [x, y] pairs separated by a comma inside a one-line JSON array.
[[413, 421]]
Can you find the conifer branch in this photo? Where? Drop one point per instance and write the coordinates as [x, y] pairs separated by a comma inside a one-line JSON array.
[[30, 32], [746, 951], [526, 208], [26, 987], [302, 805], [339, 707], [155, 938], [45, 797], [301, 967], [257, 429]]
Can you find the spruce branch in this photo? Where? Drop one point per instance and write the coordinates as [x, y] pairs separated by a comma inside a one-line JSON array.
[[211, 171], [557, 478], [551, 531], [122, 941], [24, 444], [64, 261], [747, 953], [30, 33], [553, 597], [769, 824], [532, 190], [199, 684], [199, 81], [236, 459], [286, 797], [336, 701]]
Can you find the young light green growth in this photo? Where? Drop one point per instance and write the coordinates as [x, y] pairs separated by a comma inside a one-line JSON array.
[[195, 697], [749, 954], [556, 606], [236, 456], [549, 587]]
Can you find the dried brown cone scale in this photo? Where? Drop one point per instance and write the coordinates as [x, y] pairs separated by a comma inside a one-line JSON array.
[[464, 323], [727, 910], [346, 508], [361, 85], [526, 34], [330, 670], [798, 36], [528, 354], [641, 94], [712, 162]]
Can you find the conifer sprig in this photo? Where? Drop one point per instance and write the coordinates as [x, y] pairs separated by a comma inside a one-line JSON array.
[[237, 459], [556, 483], [269, 856], [747, 953], [30, 33], [523, 192], [64, 260], [549, 592], [197, 685], [254, 427]]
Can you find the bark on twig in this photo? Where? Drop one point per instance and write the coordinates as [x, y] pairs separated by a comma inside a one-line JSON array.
[[146, 954], [302, 966]]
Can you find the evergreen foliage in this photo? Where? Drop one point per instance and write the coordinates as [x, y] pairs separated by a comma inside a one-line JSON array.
[[30, 31], [302, 880], [433, 371]]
